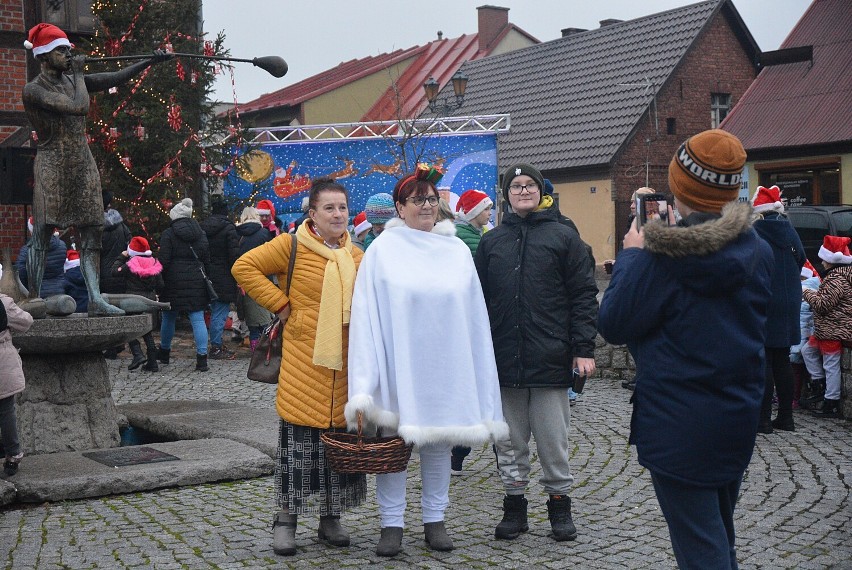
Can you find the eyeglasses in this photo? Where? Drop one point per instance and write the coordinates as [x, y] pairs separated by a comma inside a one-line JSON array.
[[518, 188], [420, 200]]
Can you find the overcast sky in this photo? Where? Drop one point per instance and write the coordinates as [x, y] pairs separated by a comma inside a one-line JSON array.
[[316, 35]]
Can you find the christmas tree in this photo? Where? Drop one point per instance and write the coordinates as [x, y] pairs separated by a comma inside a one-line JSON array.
[[151, 137]]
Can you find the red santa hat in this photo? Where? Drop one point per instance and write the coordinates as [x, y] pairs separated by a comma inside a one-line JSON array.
[[266, 208], [808, 270], [768, 200], [138, 246], [471, 204], [44, 38], [835, 249], [72, 259], [361, 224]]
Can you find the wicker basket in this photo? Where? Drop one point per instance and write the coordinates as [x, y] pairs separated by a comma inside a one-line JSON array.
[[354, 453]]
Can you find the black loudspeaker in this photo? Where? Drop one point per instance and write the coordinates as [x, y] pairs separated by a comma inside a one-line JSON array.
[[16, 175]]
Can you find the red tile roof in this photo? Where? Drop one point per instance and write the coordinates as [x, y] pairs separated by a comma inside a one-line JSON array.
[[328, 80], [804, 103], [439, 59]]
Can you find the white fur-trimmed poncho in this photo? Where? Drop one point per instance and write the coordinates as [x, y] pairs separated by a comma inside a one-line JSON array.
[[421, 360]]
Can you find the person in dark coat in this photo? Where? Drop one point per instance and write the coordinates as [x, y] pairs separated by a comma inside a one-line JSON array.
[[224, 249], [75, 285], [184, 284], [53, 282], [690, 302], [250, 236], [782, 324], [142, 275], [114, 240], [539, 286]]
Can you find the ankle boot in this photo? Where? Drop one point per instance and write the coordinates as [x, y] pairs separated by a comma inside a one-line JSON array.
[[436, 536], [163, 355], [138, 357], [784, 422], [201, 363], [332, 532], [830, 409], [10, 466], [559, 513], [390, 542], [514, 518], [284, 534], [151, 364]]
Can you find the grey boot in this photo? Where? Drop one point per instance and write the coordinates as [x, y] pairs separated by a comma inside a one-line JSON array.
[[436, 536], [332, 532], [559, 513], [514, 518], [284, 534], [390, 542]]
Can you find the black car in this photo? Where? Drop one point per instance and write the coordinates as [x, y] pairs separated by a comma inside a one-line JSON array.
[[813, 223]]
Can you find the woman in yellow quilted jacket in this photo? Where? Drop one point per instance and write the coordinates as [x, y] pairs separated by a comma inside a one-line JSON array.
[[312, 384]]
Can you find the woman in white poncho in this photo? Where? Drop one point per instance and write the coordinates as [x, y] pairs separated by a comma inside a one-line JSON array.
[[412, 370]]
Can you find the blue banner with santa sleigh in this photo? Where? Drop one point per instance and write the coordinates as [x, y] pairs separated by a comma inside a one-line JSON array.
[[282, 171]]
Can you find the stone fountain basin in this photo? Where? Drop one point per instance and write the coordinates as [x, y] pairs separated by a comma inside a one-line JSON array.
[[79, 333]]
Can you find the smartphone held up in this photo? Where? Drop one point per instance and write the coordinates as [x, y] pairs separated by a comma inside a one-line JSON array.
[[650, 207]]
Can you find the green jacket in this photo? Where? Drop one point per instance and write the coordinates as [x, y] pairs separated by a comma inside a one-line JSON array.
[[469, 235]]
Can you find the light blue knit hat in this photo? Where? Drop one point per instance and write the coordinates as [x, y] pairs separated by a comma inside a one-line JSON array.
[[379, 208]]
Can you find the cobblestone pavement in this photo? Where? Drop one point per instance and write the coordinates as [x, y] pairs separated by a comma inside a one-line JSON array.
[[794, 510]]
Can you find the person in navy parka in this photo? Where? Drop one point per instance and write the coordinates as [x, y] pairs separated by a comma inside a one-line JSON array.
[[691, 302]]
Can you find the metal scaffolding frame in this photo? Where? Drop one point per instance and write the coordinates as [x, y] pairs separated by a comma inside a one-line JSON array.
[[379, 129]]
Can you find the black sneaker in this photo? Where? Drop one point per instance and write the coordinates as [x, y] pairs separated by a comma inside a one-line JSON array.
[[221, 353]]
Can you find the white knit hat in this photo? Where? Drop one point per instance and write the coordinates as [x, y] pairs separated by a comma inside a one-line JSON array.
[[182, 209]]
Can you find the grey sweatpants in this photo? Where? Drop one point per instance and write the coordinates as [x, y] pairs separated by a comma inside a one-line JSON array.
[[544, 413]]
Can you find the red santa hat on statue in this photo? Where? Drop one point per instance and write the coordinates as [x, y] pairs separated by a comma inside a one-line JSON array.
[[471, 204], [138, 246], [808, 270], [361, 224], [44, 38], [768, 200], [835, 249], [72, 259]]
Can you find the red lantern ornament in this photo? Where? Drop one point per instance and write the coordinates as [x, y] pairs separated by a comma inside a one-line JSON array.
[[208, 48], [113, 47], [181, 72], [168, 47], [167, 172], [203, 168], [140, 133], [113, 133], [193, 78], [125, 161]]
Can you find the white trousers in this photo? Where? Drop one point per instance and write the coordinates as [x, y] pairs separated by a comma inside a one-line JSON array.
[[435, 473]]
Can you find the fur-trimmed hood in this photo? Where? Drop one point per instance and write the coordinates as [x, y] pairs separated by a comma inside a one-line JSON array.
[[112, 219], [142, 266], [443, 228], [698, 255]]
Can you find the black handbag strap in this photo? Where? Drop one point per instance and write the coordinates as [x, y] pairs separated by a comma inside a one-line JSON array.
[[292, 263], [200, 264]]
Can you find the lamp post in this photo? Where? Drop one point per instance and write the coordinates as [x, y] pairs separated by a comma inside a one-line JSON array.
[[447, 105]]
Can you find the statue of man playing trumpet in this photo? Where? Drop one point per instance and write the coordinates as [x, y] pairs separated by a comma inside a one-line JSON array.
[[67, 189]]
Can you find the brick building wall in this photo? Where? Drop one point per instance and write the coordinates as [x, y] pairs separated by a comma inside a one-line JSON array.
[[13, 77], [717, 63]]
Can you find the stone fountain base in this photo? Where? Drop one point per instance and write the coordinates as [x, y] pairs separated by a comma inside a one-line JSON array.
[[67, 404]]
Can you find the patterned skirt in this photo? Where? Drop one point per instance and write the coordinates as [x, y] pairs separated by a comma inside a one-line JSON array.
[[304, 484]]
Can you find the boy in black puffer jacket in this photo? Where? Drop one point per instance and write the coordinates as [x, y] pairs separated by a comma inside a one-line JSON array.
[[142, 275]]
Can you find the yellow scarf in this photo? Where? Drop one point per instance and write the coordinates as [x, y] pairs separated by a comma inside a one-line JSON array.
[[336, 301]]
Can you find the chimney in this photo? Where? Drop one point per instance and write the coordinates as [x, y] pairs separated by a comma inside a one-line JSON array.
[[609, 22], [571, 31], [492, 21]]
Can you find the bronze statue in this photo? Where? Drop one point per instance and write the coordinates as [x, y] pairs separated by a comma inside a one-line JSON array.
[[67, 190]]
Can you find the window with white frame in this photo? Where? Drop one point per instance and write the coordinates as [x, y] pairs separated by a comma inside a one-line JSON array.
[[720, 104]]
